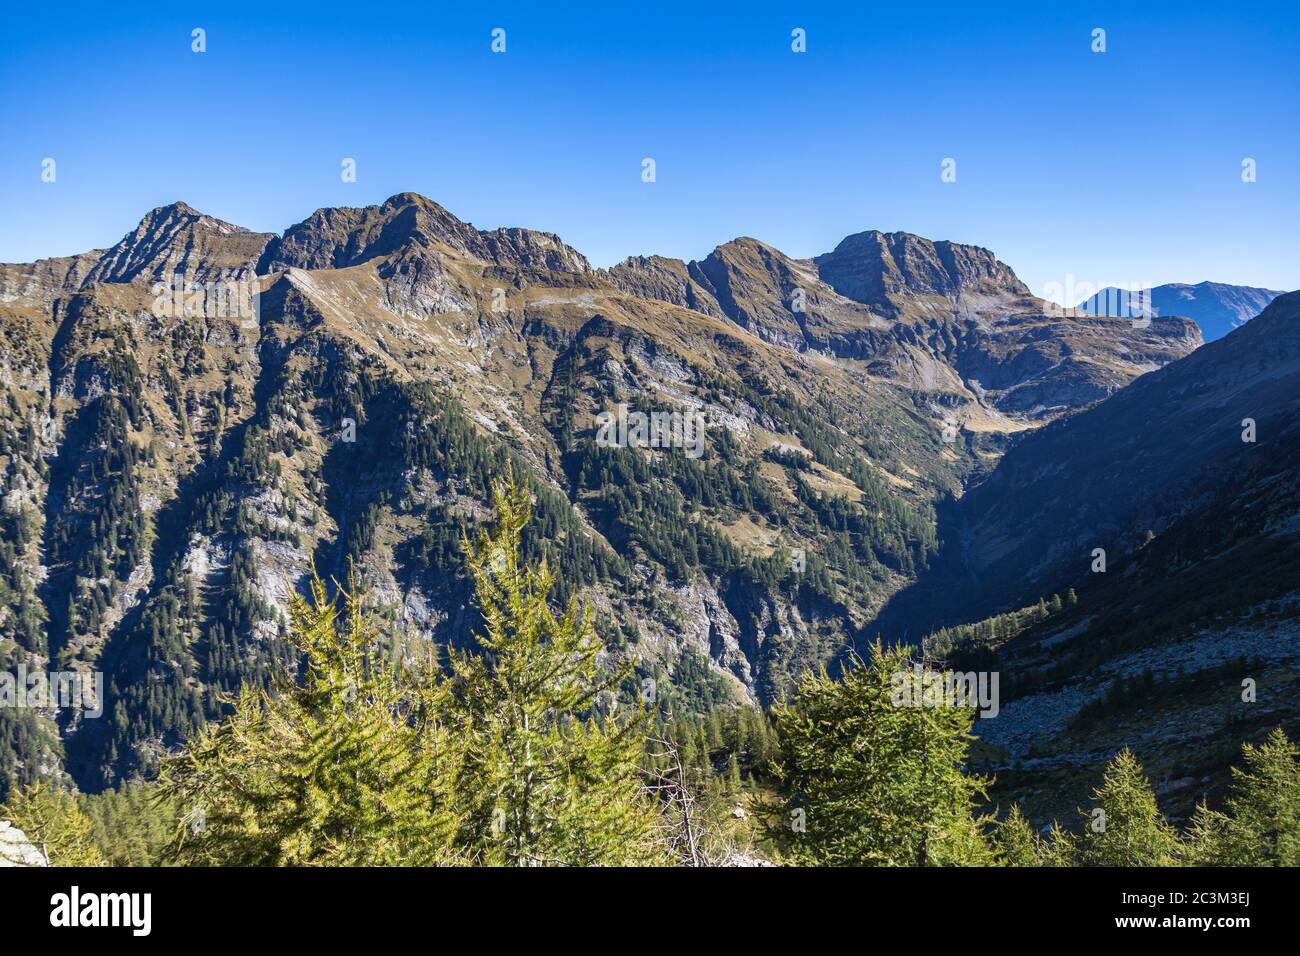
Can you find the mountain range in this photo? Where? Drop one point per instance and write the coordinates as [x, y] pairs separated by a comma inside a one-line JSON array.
[[1216, 307], [900, 437]]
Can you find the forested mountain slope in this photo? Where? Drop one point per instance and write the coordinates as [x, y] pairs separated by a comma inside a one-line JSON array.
[[173, 466]]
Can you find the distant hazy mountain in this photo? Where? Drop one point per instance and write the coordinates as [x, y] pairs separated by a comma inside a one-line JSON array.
[[1216, 307]]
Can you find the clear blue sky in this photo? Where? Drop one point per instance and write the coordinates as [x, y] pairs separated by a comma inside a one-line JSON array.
[[1121, 166]]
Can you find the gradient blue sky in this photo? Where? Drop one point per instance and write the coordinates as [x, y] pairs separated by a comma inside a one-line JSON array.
[[1115, 167]]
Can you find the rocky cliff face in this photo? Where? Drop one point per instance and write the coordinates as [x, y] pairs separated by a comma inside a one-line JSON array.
[[16, 850], [938, 317], [175, 240], [666, 280], [875, 267], [170, 479], [338, 238]]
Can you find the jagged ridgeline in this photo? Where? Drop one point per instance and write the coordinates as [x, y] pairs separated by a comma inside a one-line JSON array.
[[177, 453]]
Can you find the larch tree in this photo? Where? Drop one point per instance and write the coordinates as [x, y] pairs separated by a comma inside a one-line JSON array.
[[550, 773], [1014, 841], [53, 824], [871, 780], [1260, 821], [1125, 826], [347, 765]]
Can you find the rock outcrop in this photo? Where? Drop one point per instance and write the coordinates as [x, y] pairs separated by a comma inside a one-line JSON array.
[[15, 850]]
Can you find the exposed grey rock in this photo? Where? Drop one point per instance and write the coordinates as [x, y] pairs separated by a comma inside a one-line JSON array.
[[15, 850], [177, 239]]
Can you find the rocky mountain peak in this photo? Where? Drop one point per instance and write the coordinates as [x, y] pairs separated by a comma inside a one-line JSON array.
[[872, 266], [179, 239], [666, 280], [335, 238], [342, 236]]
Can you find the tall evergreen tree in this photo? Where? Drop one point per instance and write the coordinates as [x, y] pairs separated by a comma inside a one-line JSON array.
[[1260, 822], [1058, 848], [54, 824], [1125, 827], [348, 766], [1014, 840], [871, 780], [546, 779]]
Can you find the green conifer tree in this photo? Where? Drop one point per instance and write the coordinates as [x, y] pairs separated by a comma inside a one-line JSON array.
[[54, 824], [873, 778], [1260, 822], [733, 773], [1125, 827], [545, 780], [348, 766], [1058, 848], [1014, 840]]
